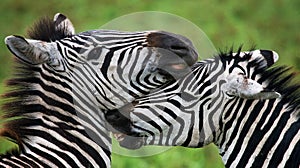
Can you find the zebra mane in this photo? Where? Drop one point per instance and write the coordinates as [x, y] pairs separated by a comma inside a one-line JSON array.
[[45, 29], [13, 107], [227, 54], [284, 81]]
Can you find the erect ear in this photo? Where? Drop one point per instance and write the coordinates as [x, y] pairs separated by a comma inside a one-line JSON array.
[[269, 57], [241, 86], [30, 51], [63, 23]]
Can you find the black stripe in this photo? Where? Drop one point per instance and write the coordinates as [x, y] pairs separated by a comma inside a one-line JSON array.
[[268, 55], [45, 155], [17, 162], [243, 133], [108, 58], [8, 164], [73, 140], [138, 88], [28, 161], [37, 160], [285, 143], [64, 156], [294, 160]]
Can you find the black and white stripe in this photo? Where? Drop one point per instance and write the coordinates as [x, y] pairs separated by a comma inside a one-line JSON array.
[[64, 81], [216, 103]]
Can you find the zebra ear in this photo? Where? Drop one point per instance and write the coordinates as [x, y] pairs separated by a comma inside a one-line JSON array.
[[61, 22], [29, 51], [241, 86], [269, 57]]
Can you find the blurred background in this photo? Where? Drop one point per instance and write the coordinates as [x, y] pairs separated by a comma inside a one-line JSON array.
[[268, 24]]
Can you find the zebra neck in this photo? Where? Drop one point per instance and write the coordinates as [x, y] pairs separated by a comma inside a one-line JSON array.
[[250, 134], [54, 128]]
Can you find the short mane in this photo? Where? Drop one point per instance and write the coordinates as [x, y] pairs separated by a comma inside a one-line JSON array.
[[44, 29], [13, 109], [283, 80]]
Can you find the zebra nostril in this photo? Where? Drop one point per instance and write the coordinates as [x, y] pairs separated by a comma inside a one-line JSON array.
[[176, 47], [180, 50]]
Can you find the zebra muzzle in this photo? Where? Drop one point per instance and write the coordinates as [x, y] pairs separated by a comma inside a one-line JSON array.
[[176, 53], [129, 142]]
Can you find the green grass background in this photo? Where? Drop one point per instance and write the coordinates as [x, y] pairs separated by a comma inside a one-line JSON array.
[[268, 24]]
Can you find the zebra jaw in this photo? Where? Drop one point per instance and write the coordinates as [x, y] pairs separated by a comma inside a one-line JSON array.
[[121, 126], [241, 86], [129, 142]]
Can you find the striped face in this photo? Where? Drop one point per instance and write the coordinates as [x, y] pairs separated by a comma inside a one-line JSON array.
[[111, 68], [188, 112], [65, 80], [232, 101], [128, 65]]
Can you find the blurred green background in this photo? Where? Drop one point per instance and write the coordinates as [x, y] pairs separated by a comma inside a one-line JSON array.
[[268, 24]]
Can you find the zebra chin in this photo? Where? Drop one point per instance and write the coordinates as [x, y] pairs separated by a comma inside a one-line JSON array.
[[129, 141], [119, 123]]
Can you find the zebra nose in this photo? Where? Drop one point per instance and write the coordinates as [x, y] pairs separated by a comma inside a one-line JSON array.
[[175, 43]]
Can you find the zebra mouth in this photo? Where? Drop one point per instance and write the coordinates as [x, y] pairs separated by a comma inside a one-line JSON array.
[[129, 142], [119, 136], [122, 129]]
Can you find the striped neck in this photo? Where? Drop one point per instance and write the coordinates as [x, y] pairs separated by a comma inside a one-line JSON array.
[[52, 133], [251, 129], [262, 133]]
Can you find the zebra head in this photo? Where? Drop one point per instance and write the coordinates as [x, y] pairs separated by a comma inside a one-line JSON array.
[[114, 66], [179, 113], [64, 81], [238, 80]]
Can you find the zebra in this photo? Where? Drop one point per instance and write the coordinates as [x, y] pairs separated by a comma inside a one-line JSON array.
[[65, 81], [238, 101]]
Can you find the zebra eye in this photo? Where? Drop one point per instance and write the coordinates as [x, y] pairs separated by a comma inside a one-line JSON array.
[[94, 54]]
